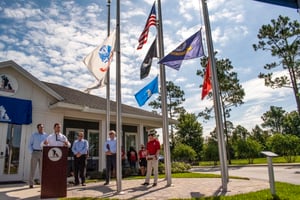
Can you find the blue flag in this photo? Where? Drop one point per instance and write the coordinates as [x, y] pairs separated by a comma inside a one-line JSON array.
[[190, 48], [144, 94]]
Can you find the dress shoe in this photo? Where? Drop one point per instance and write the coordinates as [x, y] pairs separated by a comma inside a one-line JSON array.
[[30, 186], [106, 183], [145, 184], [154, 184], [83, 184]]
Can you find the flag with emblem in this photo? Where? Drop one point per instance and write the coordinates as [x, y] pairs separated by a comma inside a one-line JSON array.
[[206, 87], [146, 65], [151, 21], [189, 49], [99, 59], [145, 93]]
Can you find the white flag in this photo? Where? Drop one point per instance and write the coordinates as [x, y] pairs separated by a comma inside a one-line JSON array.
[[99, 59]]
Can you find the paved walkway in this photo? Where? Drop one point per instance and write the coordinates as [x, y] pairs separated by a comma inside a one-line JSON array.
[[132, 189]]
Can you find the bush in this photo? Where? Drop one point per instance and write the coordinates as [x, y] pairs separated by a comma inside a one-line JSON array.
[[180, 167], [177, 167], [184, 153]]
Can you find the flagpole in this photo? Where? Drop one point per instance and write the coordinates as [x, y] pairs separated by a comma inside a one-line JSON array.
[[108, 75], [163, 87], [216, 97], [118, 99]]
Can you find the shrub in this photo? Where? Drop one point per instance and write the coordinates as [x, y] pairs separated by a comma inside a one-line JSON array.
[[177, 167]]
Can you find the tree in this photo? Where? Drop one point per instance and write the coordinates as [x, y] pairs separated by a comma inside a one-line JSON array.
[[291, 123], [231, 92], [285, 145], [273, 119], [238, 133], [211, 151], [175, 97], [190, 132], [260, 136], [281, 38], [248, 149]]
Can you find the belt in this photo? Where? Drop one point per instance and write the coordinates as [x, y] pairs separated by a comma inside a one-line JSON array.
[[37, 150]]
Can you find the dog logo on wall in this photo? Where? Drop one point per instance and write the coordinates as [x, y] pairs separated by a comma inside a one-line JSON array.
[[8, 85]]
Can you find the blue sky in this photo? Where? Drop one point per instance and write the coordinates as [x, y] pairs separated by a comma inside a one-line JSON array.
[[51, 38]]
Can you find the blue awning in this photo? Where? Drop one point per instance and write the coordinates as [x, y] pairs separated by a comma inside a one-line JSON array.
[[286, 3], [15, 111]]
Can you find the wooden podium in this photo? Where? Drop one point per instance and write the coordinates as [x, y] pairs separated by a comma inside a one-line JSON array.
[[54, 172]]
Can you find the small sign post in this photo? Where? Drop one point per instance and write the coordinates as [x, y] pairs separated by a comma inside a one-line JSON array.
[[269, 156]]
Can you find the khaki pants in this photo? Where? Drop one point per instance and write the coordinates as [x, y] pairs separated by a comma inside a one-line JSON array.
[[36, 160], [152, 164]]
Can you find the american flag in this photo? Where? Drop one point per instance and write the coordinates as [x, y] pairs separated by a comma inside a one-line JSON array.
[[151, 21]]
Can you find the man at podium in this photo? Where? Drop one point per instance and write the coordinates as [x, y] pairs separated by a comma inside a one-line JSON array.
[[55, 152], [57, 138]]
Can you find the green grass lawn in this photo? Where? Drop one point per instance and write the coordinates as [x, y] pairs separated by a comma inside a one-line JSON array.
[[284, 191]]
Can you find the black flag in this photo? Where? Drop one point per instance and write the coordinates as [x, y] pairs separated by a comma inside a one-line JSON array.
[[146, 65]]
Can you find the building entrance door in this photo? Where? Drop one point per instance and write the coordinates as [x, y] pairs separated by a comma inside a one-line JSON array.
[[10, 152]]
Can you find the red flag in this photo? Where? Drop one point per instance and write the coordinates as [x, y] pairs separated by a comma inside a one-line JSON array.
[[150, 22], [206, 82]]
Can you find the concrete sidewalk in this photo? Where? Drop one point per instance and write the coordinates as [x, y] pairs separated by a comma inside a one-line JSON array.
[[132, 189]]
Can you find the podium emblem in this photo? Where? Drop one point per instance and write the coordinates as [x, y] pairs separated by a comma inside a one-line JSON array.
[[54, 154]]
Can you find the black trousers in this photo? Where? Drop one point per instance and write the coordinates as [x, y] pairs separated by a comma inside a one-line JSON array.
[[110, 165], [80, 168]]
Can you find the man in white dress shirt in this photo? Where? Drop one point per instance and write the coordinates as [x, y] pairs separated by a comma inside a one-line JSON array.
[[57, 138]]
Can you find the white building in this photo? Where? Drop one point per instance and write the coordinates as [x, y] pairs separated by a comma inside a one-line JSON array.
[[26, 101]]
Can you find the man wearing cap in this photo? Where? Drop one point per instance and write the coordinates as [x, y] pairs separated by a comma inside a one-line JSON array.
[[153, 148]]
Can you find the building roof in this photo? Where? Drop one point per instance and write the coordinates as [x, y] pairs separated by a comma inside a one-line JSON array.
[[92, 102]]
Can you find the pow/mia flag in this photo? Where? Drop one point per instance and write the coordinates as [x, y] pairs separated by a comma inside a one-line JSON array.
[[146, 65]]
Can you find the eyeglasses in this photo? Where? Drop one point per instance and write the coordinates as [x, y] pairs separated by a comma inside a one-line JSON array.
[[80, 135]]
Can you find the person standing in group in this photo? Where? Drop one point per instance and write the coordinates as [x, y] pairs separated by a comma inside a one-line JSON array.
[[57, 138], [36, 152], [80, 150], [142, 159], [132, 158], [110, 149], [153, 148]]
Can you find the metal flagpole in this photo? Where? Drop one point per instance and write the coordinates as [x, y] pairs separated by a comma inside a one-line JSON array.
[[108, 76], [118, 98], [163, 87], [216, 97]]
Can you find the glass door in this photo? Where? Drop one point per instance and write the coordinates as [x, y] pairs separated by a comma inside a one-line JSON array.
[[93, 159], [130, 141], [10, 152]]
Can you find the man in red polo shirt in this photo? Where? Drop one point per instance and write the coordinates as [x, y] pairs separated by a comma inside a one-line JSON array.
[[153, 148]]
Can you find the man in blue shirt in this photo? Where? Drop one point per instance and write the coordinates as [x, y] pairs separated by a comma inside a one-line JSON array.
[[110, 149], [36, 152], [80, 150]]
